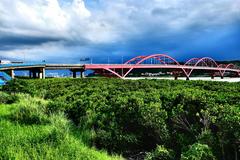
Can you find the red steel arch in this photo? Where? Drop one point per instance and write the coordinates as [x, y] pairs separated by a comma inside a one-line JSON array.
[[191, 60], [156, 56], [199, 60], [134, 59], [138, 58], [203, 60], [227, 66], [115, 73], [109, 70]]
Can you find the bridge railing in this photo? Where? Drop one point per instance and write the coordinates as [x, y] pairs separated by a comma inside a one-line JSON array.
[[21, 65], [5, 76], [2, 82]]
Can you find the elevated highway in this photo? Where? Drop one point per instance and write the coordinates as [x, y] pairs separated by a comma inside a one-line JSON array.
[[27, 66], [37, 70]]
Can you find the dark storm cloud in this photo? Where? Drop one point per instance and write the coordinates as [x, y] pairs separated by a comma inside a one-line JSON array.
[[21, 40]]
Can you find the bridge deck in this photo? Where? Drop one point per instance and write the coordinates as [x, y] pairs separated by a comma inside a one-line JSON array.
[[28, 66], [149, 66], [64, 66], [21, 66], [160, 61]]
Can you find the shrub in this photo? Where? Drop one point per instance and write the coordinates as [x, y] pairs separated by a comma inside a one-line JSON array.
[[60, 128], [6, 98], [56, 106], [125, 123], [198, 151], [16, 85], [160, 153], [30, 111]]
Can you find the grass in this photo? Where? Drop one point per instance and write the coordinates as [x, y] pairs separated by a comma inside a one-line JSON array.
[[48, 136]]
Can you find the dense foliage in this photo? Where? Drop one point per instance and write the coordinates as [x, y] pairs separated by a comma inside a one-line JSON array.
[[129, 117], [28, 132], [198, 151]]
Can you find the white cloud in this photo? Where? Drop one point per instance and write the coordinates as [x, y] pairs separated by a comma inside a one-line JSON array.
[[40, 17]]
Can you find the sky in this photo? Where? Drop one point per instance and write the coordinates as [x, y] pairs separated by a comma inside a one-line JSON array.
[[66, 31]]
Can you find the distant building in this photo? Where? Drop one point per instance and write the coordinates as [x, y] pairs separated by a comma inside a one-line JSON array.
[[5, 62], [8, 62]]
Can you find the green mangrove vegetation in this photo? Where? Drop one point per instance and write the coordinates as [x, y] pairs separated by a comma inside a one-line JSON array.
[[117, 119]]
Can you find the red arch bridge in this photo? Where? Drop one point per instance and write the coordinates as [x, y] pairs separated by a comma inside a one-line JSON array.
[[155, 61], [163, 61]]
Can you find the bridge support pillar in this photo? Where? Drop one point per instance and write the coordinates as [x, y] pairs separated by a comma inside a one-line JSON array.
[[75, 71], [32, 74], [82, 74], [74, 74], [175, 74], [212, 76], [12, 73], [187, 78], [42, 73], [222, 77]]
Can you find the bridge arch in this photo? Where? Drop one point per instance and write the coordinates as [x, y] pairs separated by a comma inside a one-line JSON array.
[[134, 59], [191, 60], [203, 60], [139, 58], [158, 56], [227, 66], [155, 56], [113, 72]]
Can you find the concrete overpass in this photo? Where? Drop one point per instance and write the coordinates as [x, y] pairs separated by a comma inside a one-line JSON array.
[[37, 70]]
